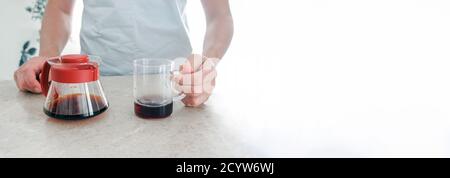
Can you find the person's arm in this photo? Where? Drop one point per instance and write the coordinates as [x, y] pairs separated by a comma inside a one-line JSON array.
[[56, 27], [219, 29], [55, 33], [199, 73]]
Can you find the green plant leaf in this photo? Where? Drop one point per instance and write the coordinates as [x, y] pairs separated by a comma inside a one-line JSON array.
[[26, 45], [23, 58], [31, 51]]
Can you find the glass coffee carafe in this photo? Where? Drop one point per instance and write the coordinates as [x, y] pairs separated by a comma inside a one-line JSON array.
[[71, 84]]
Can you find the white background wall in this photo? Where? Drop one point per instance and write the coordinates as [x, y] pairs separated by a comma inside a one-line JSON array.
[[15, 29]]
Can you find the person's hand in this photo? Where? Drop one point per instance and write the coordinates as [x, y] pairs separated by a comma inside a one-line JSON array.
[[26, 76], [197, 79]]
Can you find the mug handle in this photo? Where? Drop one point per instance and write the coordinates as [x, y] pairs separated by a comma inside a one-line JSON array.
[[44, 76], [175, 71], [179, 95]]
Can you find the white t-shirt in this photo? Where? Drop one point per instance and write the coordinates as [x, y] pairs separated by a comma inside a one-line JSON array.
[[120, 31]]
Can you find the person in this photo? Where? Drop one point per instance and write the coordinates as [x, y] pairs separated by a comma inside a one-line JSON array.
[[121, 31]]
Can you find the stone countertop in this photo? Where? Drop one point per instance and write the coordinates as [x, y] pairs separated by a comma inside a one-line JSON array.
[[190, 132], [267, 110]]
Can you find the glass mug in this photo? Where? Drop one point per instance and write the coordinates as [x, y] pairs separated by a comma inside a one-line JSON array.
[[154, 89]]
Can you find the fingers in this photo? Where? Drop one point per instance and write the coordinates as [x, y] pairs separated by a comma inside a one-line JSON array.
[[195, 101], [20, 82], [26, 81], [196, 83], [192, 89], [193, 63], [16, 79], [207, 70], [32, 84], [197, 79], [197, 95], [25, 76]]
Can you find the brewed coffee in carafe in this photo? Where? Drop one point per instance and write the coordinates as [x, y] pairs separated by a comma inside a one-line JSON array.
[[71, 84], [70, 102]]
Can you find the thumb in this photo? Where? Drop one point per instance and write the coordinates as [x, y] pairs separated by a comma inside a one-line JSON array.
[[193, 63], [33, 85], [33, 81], [37, 89]]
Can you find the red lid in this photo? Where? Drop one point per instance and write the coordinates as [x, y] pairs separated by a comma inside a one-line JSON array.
[[74, 69], [75, 58]]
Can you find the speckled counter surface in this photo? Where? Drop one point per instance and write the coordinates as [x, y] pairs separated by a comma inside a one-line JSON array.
[[25, 131], [245, 117]]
